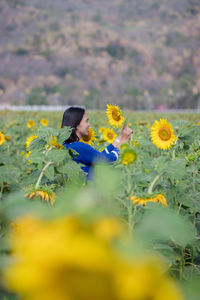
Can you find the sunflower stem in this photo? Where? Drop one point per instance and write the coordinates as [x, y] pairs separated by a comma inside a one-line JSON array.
[[121, 201], [130, 206], [150, 189], [173, 154], [130, 218], [49, 149], [181, 264], [1, 192], [64, 179], [131, 215], [42, 173]]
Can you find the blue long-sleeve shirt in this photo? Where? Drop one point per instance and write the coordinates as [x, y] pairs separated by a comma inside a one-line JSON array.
[[87, 155]]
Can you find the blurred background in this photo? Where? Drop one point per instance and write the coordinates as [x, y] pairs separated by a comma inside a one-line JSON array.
[[142, 55]]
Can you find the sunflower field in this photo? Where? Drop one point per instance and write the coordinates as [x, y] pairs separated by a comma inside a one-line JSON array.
[[131, 233]]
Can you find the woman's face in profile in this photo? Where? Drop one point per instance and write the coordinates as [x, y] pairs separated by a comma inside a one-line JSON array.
[[83, 127]]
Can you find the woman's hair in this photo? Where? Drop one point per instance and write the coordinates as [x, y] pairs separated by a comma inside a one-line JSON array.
[[72, 117]]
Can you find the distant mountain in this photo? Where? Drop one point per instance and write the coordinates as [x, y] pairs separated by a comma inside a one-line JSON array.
[[139, 54]]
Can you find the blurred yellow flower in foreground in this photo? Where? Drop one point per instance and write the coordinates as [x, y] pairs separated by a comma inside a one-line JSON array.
[[30, 124], [2, 138], [44, 122], [108, 228], [71, 259], [160, 198]]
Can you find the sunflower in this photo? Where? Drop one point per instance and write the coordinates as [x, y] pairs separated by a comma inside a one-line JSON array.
[[109, 135], [30, 124], [128, 156], [162, 134], [108, 228], [88, 139], [84, 255], [27, 156], [53, 142], [124, 146], [114, 115], [136, 143], [30, 139], [2, 138], [43, 195], [101, 129], [44, 122], [160, 198], [8, 138]]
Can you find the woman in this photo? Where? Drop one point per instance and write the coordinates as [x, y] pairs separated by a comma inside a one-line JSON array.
[[77, 119]]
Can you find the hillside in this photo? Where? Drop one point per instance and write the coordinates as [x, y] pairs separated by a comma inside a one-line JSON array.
[[138, 54]]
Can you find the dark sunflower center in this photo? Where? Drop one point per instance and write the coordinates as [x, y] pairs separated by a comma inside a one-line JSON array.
[[164, 133], [87, 138], [116, 115], [110, 136]]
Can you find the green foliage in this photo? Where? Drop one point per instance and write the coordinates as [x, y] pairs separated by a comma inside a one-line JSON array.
[[172, 227], [52, 161], [172, 232]]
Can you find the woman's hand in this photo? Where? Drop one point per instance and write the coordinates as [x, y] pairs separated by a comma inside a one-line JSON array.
[[123, 137]]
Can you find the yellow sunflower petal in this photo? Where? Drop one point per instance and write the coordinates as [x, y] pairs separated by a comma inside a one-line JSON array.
[[30, 139], [2, 138]]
